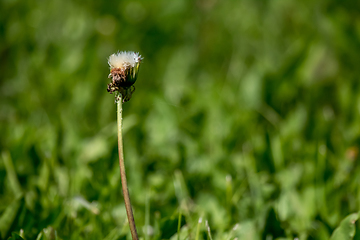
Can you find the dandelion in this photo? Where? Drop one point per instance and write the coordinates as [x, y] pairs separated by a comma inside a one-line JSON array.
[[124, 68]]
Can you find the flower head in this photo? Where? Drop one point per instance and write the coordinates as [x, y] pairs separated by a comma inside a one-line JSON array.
[[124, 59], [124, 67]]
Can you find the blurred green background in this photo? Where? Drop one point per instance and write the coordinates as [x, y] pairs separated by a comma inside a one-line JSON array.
[[246, 114]]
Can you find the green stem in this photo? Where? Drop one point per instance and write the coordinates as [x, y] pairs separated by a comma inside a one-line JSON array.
[[125, 190], [198, 229]]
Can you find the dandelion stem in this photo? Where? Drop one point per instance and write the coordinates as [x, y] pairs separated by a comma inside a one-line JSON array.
[[125, 190]]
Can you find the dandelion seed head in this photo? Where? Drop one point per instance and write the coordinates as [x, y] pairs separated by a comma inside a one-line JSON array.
[[124, 68], [124, 59]]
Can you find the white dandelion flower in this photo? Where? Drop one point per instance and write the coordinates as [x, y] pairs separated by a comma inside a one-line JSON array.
[[124, 59], [124, 68]]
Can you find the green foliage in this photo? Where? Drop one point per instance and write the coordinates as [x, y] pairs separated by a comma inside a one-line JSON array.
[[246, 114], [15, 236], [169, 226], [346, 230]]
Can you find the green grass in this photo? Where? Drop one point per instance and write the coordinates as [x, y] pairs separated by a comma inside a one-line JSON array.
[[246, 114]]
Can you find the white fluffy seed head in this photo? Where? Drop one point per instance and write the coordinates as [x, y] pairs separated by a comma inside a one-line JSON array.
[[124, 59]]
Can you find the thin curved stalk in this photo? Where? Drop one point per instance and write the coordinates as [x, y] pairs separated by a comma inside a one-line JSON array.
[[125, 190]]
